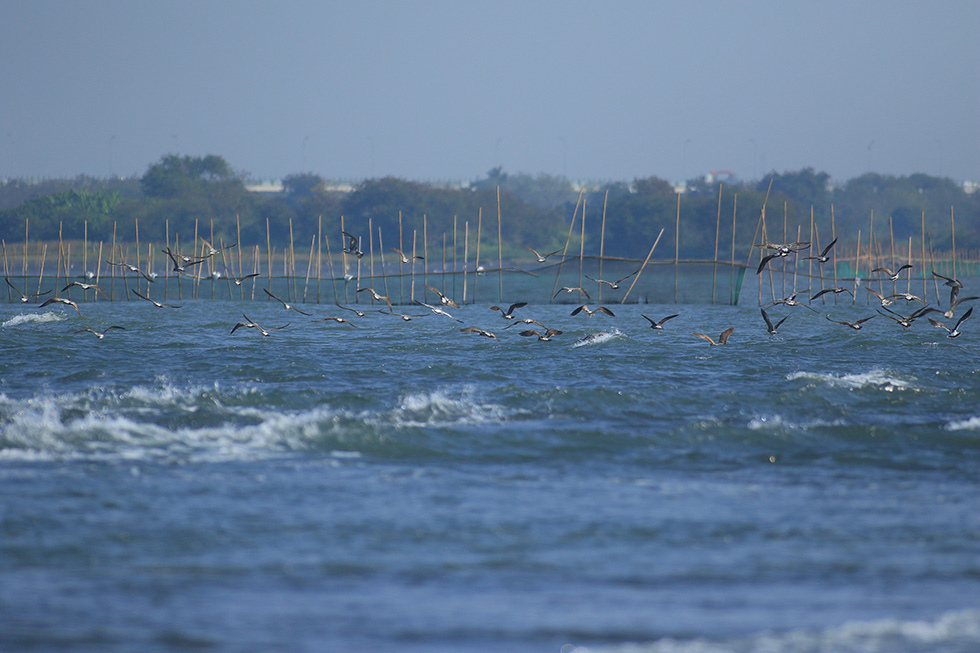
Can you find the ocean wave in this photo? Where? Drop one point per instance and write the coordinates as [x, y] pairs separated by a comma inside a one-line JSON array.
[[883, 379], [33, 318], [598, 337], [212, 423], [949, 633], [971, 424]]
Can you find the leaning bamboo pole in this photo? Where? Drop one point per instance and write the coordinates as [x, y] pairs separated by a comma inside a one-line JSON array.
[[857, 275], [466, 254], [309, 267], [6, 272], [333, 276], [581, 249], [833, 236], [381, 250], [112, 268], [925, 290], [401, 270], [238, 227], [571, 225], [640, 272], [731, 272]]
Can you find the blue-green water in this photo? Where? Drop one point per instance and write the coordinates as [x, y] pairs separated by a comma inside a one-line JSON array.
[[405, 486]]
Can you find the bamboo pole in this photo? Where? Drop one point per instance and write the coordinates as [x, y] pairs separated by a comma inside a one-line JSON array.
[[476, 271], [196, 279], [371, 247], [731, 272], [814, 243], [602, 240], [309, 267], [256, 256], [455, 252], [333, 276], [138, 262], [291, 258], [833, 236], [564, 251], [857, 267], [581, 249], [98, 269], [466, 254], [85, 251], [952, 233], [381, 249], [166, 268], [677, 244], [112, 268], [414, 237], [27, 229], [500, 255], [6, 273], [319, 254], [922, 243], [238, 232], [268, 249], [714, 267], [401, 269], [425, 256], [640, 272], [40, 272]]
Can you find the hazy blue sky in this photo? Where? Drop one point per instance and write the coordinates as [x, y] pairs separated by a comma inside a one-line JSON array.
[[448, 90]]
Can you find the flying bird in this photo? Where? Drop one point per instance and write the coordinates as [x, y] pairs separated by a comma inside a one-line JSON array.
[[836, 291], [132, 268], [542, 257], [340, 320], [405, 258], [892, 276], [212, 250], [854, 325], [883, 300], [184, 263], [61, 300], [547, 335], [906, 322], [377, 296], [908, 297], [251, 324], [403, 316], [570, 289], [658, 325], [955, 300], [949, 281], [612, 284], [288, 307], [438, 311], [591, 312], [791, 301], [238, 280], [525, 322], [823, 257], [770, 327], [352, 245], [487, 334], [153, 301], [85, 286], [955, 331], [722, 339], [24, 297], [100, 334], [445, 301], [509, 313]]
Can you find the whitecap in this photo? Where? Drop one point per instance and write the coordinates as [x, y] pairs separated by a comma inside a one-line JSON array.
[[598, 337], [33, 318], [952, 631], [971, 424], [873, 378], [446, 408]]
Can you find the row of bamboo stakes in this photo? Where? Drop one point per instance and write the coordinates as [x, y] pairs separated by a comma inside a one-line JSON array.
[[118, 254]]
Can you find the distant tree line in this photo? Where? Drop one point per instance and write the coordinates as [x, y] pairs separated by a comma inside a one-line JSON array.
[[179, 191]]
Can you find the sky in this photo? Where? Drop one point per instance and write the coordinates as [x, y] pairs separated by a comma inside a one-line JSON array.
[[427, 90]]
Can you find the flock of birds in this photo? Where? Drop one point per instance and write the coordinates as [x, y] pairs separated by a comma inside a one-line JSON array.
[[182, 263]]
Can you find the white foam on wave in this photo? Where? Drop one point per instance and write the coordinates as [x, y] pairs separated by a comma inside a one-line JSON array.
[[971, 424], [883, 379], [598, 337], [135, 424], [33, 318], [952, 631], [443, 407]]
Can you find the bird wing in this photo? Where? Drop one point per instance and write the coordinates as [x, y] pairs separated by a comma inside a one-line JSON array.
[[705, 336], [725, 335]]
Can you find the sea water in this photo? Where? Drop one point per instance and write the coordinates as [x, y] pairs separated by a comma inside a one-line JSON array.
[[403, 486]]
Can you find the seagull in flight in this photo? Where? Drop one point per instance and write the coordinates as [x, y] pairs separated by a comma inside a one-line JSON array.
[[378, 297], [955, 331], [238, 280], [132, 268], [438, 311], [487, 334], [884, 300], [836, 291], [854, 325], [542, 257], [791, 301], [61, 300], [591, 312], [85, 286], [153, 301], [570, 289], [612, 284], [405, 258], [823, 257], [770, 327], [722, 339], [352, 245], [658, 325], [509, 313], [445, 301], [212, 250], [955, 300], [24, 297], [288, 307], [340, 320], [892, 276], [949, 281], [546, 336], [185, 261], [100, 334], [251, 324], [403, 316]]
